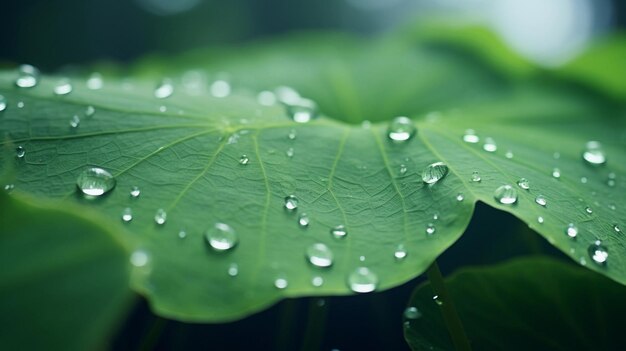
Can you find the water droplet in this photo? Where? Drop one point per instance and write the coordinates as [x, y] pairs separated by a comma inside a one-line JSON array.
[[127, 214], [583, 180], [470, 137], [571, 230], [362, 280], [20, 152], [476, 177], [289, 152], [28, 76], [598, 252], [244, 160], [435, 216], [437, 300], [182, 234], [20, 104], [163, 108], [490, 145], [401, 129], [556, 155], [9, 187], [135, 192], [63, 87], [292, 134], [303, 220], [594, 154], [317, 281], [164, 89], [540, 220], [541, 200], [90, 111], [281, 283], [95, 82], [400, 253], [617, 228], [434, 172], [303, 111], [505, 195], [95, 181], [221, 237], [139, 258], [460, 197], [430, 229], [160, 217], [610, 182], [291, 203], [3, 103], [319, 255], [402, 169], [339, 232], [75, 121], [220, 88], [412, 313], [556, 173], [233, 270], [266, 98], [366, 124], [509, 154], [589, 210], [523, 183]]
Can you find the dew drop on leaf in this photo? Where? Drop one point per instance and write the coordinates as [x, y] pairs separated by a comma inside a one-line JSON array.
[[598, 252], [302, 112], [303, 220], [540, 220], [95, 181], [164, 89], [571, 230], [400, 253], [319, 255], [523, 183], [3, 103], [434, 172], [556, 173], [75, 121], [244, 160], [135, 192], [9, 187], [266, 98], [401, 129], [90, 111], [506, 195], [541, 200], [460, 197], [490, 145], [470, 137], [292, 134], [221, 237], [509, 154], [139, 258], [617, 228], [27, 76], [362, 280], [281, 283], [411, 313], [594, 154], [403, 169], [20, 104], [160, 217], [127, 214], [289, 152], [430, 229], [95, 81], [233, 270], [291, 203], [589, 210], [63, 87], [339, 232], [475, 177], [182, 234], [317, 281], [437, 300], [20, 152]]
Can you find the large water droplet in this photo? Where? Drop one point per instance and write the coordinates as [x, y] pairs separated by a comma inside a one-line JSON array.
[[594, 154], [20, 152], [127, 214], [339, 232], [571, 230], [490, 145], [470, 137], [319, 255], [401, 129], [303, 220], [63, 87], [411, 313], [476, 177], [221, 237], [303, 112], [3, 103], [28, 76], [164, 89], [220, 88], [598, 252], [400, 253], [362, 280], [434, 172], [430, 229], [160, 217], [139, 258], [95, 181], [506, 195], [541, 200], [523, 183], [291, 203]]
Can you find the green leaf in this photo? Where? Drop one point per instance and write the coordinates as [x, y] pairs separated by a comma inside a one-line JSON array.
[[64, 282], [525, 304], [186, 161]]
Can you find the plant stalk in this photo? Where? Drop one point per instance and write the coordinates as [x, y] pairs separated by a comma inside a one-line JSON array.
[[316, 325], [448, 311]]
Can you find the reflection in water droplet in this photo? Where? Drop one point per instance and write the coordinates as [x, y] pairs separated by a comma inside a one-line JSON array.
[[95, 181], [490, 145], [244, 160], [523, 183], [401, 129], [594, 154], [303, 220], [476, 177], [400, 253], [319, 255], [221, 237], [339, 232], [164, 89], [233, 270], [541, 200], [135, 192], [20, 152], [556, 173], [63, 87], [291, 203], [127, 214], [362, 280], [470, 137], [430, 229], [160, 217], [571, 230], [505, 195], [27, 76], [434, 172], [598, 252], [411, 313]]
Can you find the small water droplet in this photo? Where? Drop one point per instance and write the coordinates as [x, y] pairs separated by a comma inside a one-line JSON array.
[[9, 187], [292, 134], [233, 270], [362, 280], [437, 300], [289, 152], [139, 258], [20, 104], [589, 210], [164, 89], [430, 229], [470, 137], [556, 155], [594, 154], [163, 108], [403, 169], [291, 203], [317, 281], [401, 129], [411, 313], [303, 220], [95, 82], [509, 154], [523, 183], [3, 103], [540, 220], [541, 200], [244, 160], [435, 216], [75, 121], [339, 232], [266, 98], [610, 182], [362, 258], [571, 230], [460, 197], [20, 152], [127, 214], [281, 283], [319, 255], [303, 111], [366, 124], [434, 172], [182, 234], [617, 228], [221, 237], [28, 76], [95, 181], [135, 192], [506, 195], [556, 173], [476, 177], [490, 145], [220, 89], [90, 111], [63, 87], [400, 253], [160, 217], [598, 252], [583, 180]]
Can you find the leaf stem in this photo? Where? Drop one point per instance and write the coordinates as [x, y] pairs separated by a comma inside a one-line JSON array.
[[448, 311], [316, 325]]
